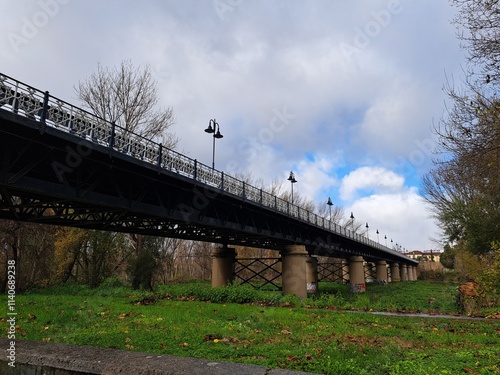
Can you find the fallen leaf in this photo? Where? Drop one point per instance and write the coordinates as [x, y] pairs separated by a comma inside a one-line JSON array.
[[469, 371]]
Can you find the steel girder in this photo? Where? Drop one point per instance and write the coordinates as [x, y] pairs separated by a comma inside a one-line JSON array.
[[52, 177]]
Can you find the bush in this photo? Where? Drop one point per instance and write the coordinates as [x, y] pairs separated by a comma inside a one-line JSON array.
[[432, 275]]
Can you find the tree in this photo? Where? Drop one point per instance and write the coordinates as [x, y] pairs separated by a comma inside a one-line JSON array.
[[30, 246], [143, 266], [464, 184], [128, 96], [479, 22], [88, 256], [447, 258]]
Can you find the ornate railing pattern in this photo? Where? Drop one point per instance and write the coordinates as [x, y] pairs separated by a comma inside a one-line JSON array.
[[39, 106]]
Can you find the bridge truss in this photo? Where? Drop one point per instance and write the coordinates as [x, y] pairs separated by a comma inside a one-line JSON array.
[[61, 165]]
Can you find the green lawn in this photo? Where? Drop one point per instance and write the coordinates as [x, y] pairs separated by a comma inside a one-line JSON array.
[[312, 335]]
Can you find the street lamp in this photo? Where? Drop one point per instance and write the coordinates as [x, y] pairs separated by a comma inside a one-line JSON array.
[[330, 204], [292, 180], [385, 236], [215, 130], [367, 233], [352, 222], [378, 238]]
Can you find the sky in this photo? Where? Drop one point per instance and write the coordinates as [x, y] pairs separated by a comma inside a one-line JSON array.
[[344, 93]]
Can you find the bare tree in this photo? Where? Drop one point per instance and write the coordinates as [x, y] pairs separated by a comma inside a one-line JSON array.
[[478, 22], [128, 96], [335, 213]]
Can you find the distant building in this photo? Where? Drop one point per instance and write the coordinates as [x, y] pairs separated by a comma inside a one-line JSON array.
[[425, 255]]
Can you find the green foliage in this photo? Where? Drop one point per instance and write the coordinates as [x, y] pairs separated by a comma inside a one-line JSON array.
[[432, 275], [447, 258], [489, 279]]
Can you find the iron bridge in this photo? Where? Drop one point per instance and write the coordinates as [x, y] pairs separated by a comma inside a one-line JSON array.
[[62, 165]]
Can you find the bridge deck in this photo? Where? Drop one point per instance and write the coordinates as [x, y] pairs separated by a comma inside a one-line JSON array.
[[62, 165]]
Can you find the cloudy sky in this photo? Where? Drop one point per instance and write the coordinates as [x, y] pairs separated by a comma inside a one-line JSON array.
[[342, 92]]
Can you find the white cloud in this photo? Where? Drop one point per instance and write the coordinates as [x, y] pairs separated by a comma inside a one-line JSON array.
[[316, 175], [371, 179], [373, 110], [402, 217], [380, 198]]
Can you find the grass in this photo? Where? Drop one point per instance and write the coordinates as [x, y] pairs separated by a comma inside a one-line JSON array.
[[417, 296], [269, 329]]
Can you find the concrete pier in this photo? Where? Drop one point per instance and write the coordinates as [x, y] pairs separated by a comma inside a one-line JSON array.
[[223, 263], [293, 274], [395, 276], [357, 274], [381, 267], [312, 274], [403, 272]]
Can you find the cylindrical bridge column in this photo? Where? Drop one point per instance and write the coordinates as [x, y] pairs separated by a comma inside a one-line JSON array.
[[357, 274], [223, 263], [381, 272], [395, 276], [412, 271], [403, 272], [293, 275], [312, 274]]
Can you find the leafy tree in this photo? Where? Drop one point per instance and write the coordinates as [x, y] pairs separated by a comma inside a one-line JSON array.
[[464, 185], [68, 246], [88, 256], [447, 258]]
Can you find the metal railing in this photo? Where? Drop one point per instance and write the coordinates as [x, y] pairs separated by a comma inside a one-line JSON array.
[[41, 107]]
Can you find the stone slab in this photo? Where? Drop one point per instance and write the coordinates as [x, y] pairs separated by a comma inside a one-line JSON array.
[[91, 360]]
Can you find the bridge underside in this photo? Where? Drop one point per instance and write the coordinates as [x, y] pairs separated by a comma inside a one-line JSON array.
[[51, 177]]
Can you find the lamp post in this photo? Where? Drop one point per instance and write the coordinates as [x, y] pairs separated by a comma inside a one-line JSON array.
[[292, 180], [215, 130], [367, 233], [330, 204], [378, 238], [385, 236], [352, 222]]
